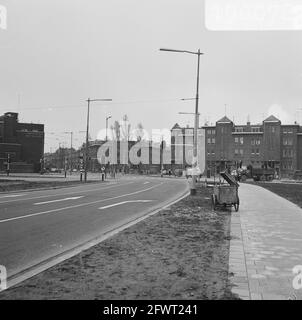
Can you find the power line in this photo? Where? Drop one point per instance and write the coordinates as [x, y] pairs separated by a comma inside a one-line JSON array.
[[82, 106]]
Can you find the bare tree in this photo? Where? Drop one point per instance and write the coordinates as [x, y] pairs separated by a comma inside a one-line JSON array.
[[116, 131], [139, 132], [125, 128]]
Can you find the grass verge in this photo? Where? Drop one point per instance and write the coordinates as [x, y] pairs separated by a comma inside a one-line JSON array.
[[289, 191], [181, 252]]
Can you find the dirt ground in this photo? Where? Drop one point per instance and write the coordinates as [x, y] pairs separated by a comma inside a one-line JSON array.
[[289, 191], [180, 253]]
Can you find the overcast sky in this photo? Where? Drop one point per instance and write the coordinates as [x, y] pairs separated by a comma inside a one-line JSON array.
[[57, 53]]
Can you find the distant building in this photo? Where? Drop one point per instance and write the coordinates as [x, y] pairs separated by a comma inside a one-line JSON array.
[[23, 143], [269, 144], [153, 151], [182, 147]]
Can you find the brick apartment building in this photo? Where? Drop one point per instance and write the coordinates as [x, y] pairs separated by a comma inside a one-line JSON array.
[[269, 144], [23, 143]]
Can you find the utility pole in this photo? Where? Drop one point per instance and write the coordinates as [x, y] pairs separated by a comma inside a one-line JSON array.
[[161, 156], [87, 133], [107, 118], [8, 164], [194, 162]]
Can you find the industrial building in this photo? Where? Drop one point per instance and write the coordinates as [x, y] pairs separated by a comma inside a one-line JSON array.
[[22, 144]]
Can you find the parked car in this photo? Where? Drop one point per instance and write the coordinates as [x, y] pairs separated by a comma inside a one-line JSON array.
[[178, 172], [298, 175], [193, 171], [263, 174]]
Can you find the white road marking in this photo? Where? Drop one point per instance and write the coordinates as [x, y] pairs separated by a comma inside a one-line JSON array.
[[79, 205], [146, 182], [58, 200], [14, 195], [68, 193], [123, 202]]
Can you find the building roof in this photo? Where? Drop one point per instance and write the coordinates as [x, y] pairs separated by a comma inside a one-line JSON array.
[[225, 119], [271, 119], [176, 126]]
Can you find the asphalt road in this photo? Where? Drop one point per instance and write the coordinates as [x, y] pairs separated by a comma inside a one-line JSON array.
[[37, 225]]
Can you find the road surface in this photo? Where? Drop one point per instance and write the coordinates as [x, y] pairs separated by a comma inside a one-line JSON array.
[[38, 225]]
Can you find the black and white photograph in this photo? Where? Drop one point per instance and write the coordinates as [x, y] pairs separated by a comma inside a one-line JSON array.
[[150, 151]]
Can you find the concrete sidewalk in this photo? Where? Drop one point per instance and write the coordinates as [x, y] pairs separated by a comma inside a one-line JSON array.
[[266, 245]]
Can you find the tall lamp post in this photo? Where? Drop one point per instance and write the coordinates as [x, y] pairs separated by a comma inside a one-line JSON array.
[[194, 164], [107, 118], [70, 152], [87, 132]]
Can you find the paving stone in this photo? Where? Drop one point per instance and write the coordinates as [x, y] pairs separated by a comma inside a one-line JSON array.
[[256, 296], [241, 292], [269, 230]]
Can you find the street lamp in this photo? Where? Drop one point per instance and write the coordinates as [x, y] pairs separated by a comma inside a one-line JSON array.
[[87, 132], [70, 152], [188, 113], [194, 164], [107, 118]]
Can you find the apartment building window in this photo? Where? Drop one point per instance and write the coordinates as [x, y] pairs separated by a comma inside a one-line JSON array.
[[253, 151], [256, 142], [236, 152], [209, 140], [241, 140], [239, 129], [288, 165], [236, 139], [288, 131], [257, 152], [211, 132], [213, 152], [273, 130], [213, 140], [288, 141], [241, 151], [288, 153], [255, 129]]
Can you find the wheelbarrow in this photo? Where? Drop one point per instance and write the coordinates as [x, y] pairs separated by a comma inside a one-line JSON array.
[[226, 195]]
